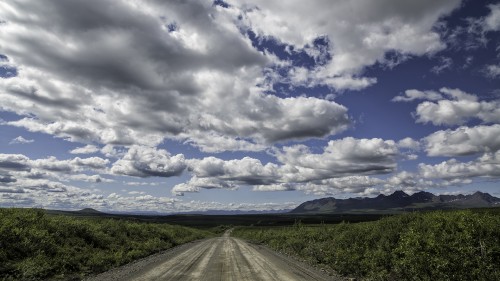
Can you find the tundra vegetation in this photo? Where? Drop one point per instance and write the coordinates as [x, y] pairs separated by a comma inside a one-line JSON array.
[[439, 245], [36, 246]]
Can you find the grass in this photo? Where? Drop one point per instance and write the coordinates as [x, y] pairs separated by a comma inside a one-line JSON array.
[[439, 245], [37, 246]]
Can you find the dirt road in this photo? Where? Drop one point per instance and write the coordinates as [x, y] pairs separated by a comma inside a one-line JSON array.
[[223, 258]]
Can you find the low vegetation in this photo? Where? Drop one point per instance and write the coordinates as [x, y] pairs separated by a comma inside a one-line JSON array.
[[35, 246], [440, 245]]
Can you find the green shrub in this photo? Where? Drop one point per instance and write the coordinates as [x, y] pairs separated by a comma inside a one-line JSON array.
[[36, 246], [441, 245]]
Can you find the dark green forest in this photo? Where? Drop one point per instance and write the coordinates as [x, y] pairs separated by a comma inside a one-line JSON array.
[[439, 245], [37, 246]]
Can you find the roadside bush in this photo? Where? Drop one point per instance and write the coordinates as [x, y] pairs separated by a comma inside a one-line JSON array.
[[36, 246], [441, 245]]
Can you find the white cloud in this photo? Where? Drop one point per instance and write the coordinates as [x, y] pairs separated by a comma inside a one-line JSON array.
[[411, 157], [411, 95], [246, 170], [56, 196], [348, 82], [492, 70], [195, 184], [463, 141], [138, 183], [143, 161], [402, 179], [345, 159], [20, 140], [444, 63], [91, 178], [111, 151], [488, 165], [215, 143], [115, 75], [28, 173], [360, 33], [350, 184], [409, 143], [15, 162], [88, 149], [492, 21], [136, 192], [275, 187], [10, 191], [458, 109], [6, 177], [73, 165]]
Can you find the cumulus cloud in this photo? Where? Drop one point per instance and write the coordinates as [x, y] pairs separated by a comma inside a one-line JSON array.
[[6, 178], [20, 140], [411, 95], [41, 173], [409, 143], [411, 157], [215, 143], [29, 185], [74, 198], [246, 170], [492, 70], [16, 162], [136, 192], [297, 166], [275, 187], [90, 178], [195, 184], [463, 141], [139, 183], [342, 157], [138, 81], [360, 33], [451, 107], [410, 182], [212, 172], [112, 151], [10, 191], [349, 184], [124, 77], [492, 21], [488, 165], [88, 149], [72, 165], [403, 179], [143, 161], [363, 185], [43, 193]]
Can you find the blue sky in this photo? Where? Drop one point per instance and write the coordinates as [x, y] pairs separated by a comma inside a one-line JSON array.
[[172, 106]]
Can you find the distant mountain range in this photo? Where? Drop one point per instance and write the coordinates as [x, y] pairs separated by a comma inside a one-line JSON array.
[[397, 202], [93, 212]]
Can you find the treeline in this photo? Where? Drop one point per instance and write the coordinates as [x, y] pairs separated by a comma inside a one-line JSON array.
[[440, 245], [37, 246]]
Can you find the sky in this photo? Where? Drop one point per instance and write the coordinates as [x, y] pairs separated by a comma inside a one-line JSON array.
[[179, 106]]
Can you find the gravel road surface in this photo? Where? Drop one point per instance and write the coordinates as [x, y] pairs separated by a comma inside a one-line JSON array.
[[222, 258]]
